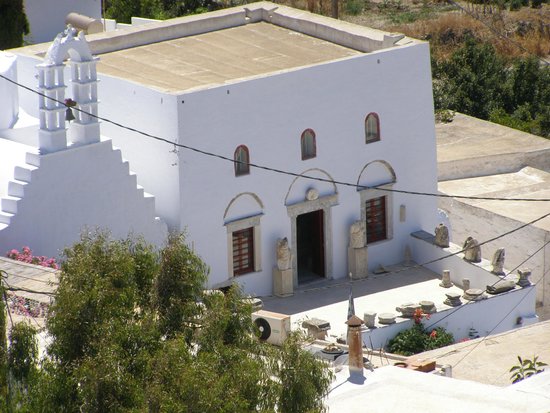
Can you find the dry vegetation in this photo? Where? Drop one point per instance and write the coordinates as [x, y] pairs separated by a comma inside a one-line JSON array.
[[529, 28], [445, 26]]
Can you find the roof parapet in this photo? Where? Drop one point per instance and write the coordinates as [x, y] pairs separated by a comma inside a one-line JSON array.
[[346, 34]]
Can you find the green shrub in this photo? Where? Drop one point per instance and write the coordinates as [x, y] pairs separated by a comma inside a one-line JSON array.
[[417, 339], [526, 368], [515, 5], [354, 7]]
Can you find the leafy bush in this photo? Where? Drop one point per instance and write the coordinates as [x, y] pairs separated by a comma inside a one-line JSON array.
[[417, 339], [515, 5], [526, 368], [354, 7], [26, 256]]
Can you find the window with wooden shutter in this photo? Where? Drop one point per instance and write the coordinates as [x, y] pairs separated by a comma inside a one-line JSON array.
[[242, 159], [309, 146], [243, 251], [372, 128], [376, 219]]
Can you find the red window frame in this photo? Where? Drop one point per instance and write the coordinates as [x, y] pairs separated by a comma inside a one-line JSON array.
[[374, 137], [242, 166], [243, 251], [376, 219], [312, 153]]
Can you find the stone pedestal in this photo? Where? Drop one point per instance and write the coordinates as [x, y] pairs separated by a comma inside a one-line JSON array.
[[80, 133], [282, 282], [446, 279], [357, 262], [453, 299], [316, 328], [52, 141], [370, 319]]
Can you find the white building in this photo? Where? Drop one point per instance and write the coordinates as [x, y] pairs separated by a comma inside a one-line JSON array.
[[56, 181], [281, 88]]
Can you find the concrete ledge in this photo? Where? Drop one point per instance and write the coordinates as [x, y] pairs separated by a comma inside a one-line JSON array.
[[345, 34]]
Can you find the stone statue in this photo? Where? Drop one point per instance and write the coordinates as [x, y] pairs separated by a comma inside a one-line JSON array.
[[498, 262], [357, 234], [442, 236], [284, 256], [472, 249]]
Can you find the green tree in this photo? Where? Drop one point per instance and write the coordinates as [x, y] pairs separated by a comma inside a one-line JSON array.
[[3, 348], [132, 329], [471, 81], [180, 284], [23, 352], [13, 24]]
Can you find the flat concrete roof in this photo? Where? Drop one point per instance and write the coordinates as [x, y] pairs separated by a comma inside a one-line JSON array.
[[212, 48], [30, 277], [529, 183], [468, 137], [328, 300], [219, 56], [489, 360], [468, 147], [393, 389]]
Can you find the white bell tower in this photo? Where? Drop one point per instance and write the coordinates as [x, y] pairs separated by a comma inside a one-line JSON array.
[[85, 128]]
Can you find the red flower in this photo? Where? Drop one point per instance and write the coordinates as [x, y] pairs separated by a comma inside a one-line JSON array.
[[433, 334]]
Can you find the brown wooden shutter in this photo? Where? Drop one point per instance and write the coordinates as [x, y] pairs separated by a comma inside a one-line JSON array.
[[243, 251], [376, 219]]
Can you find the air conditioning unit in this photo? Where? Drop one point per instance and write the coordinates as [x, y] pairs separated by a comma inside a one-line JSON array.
[[274, 327]]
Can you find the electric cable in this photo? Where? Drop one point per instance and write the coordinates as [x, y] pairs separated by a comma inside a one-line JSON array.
[[500, 322], [492, 285], [268, 168]]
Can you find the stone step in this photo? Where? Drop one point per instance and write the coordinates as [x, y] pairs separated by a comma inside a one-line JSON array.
[[9, 204], [16, 188], [141, 191], [118, 154], [133, 178], [24, 173], [149, 201], [32, 159], [5, 218]]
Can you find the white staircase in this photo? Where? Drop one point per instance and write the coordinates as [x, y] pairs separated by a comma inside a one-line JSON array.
[[21, 180]]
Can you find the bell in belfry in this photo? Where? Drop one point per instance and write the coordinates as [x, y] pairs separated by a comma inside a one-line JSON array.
[[69, 115]]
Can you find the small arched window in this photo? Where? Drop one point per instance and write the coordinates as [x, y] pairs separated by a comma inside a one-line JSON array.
[[372, 128], [309, 146], [242, 160]]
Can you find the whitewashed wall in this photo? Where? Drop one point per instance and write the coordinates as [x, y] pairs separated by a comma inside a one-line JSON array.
[[154, 162], [468, 220], [47, 18], [82, 186], [269, 114], [9, 99], [499, 315], [478, 273]]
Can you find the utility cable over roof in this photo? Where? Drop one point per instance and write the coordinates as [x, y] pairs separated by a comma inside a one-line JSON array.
[[268, 168]]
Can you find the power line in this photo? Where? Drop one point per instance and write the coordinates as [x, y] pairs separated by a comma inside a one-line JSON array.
[[408, 268], [496, 32], [506, 315], [492, 285], [268, 168]]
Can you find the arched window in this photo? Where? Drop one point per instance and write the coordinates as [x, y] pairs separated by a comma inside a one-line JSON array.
[[309, 147], [372, 128], [242, 160]]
